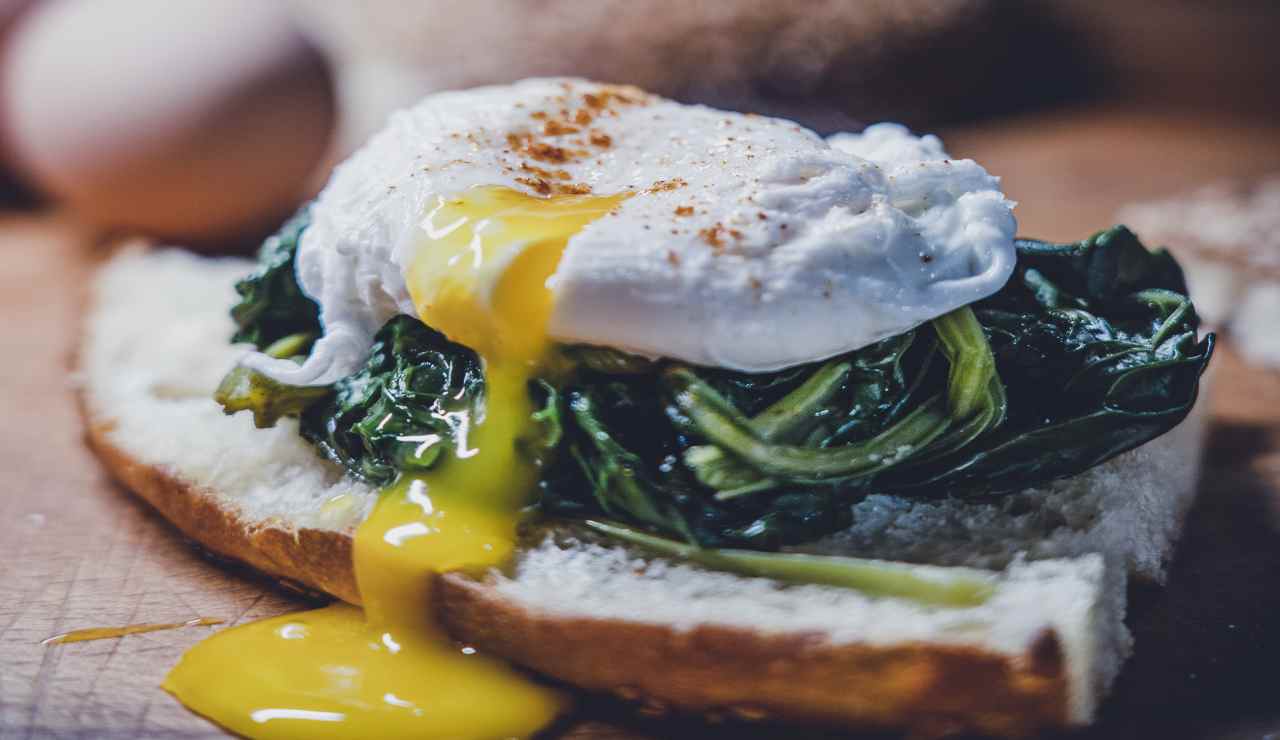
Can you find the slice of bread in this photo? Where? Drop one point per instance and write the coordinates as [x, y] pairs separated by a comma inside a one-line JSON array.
[[1039, 654]]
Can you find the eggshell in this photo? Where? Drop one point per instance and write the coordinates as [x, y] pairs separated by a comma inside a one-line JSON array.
[[185, 119]]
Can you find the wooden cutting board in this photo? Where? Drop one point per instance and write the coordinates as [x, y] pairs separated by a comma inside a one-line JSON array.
[[77, 551]]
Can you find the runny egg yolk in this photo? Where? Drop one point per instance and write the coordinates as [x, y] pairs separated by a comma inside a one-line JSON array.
[[479, 276]]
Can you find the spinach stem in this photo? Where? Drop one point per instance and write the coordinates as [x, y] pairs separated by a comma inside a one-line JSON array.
[[1162, 299], [794, 412], [290, 346], [974, 404], [788, 416], [725, 427], [972, 364], [924, 584]]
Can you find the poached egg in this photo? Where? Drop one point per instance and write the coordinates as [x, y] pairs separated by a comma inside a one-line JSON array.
[[739, 241]]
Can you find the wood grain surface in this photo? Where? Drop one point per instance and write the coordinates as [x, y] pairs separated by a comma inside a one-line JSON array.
[[77, 551]]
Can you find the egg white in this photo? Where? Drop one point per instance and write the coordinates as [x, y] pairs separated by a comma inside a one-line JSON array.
[[750, 243]]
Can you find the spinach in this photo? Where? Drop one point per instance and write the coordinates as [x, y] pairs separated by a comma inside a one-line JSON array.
[[1090, 350], [929, 585], [271, 305], [973, 403], [267, 399], [402, 409], [1096, 344]]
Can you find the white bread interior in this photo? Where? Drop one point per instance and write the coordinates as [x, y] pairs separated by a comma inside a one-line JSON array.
[[156, 346]]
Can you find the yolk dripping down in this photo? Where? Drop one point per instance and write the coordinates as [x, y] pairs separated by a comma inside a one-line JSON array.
[[479, 277]]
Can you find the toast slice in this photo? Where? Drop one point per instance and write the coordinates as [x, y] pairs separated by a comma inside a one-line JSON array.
[[1039, 654]]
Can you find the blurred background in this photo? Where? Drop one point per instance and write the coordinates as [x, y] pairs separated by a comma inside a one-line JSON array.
[[203, 121]]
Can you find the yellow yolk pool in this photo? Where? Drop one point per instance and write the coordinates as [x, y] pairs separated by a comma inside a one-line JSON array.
[[479, 277]]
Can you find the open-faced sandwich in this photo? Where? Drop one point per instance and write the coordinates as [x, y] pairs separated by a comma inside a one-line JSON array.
[[565, 380]]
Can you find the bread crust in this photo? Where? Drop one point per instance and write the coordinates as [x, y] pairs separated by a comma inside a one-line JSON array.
[[930, 689], [313, 558]]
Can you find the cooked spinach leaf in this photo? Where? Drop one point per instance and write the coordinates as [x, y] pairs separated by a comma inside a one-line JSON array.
[[403, 408], [271, 305]]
